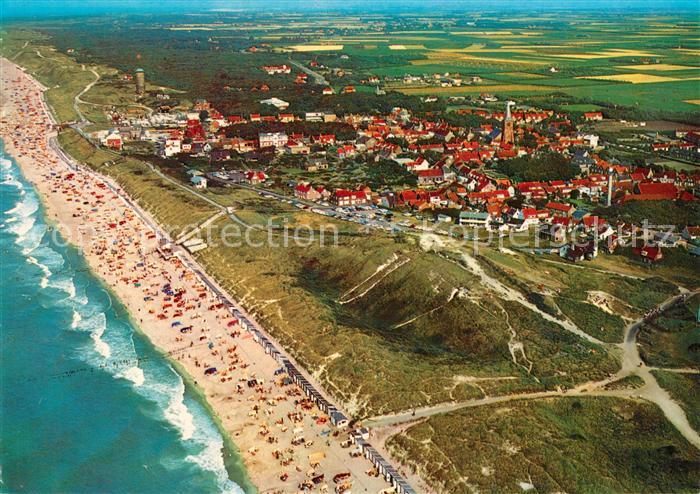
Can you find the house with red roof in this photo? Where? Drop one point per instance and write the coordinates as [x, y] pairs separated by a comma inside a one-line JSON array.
[[593, 116], [346, 151], [653, 191], [560, 209], [648, 252], [324, 139], [430, 176], [344, 197], [235, 120], [307, 192], [255, 177]]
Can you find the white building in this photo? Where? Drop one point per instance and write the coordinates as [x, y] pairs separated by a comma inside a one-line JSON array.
[[170, 147], [276, 102], [276, 139]]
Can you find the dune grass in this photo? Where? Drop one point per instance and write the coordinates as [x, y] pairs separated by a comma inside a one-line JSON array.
[[553, 445]]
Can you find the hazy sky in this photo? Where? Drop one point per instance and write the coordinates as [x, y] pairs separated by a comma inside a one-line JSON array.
[[54, 8]]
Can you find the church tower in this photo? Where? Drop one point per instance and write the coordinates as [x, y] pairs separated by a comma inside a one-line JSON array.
[[508, 135]]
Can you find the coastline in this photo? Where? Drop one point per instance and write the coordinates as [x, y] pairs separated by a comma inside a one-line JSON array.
[[262, 420], [232, 455], [120, 321]]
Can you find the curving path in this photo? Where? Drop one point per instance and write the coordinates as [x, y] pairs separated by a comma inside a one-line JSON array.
[[631, 364]]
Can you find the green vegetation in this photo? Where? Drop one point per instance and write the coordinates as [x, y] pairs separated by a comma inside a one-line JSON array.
[[685, 389], [654, 212], [363, 328], [543, 166], [630, 382], [629, 67], [672, 339], [592, 320], [555, 445]]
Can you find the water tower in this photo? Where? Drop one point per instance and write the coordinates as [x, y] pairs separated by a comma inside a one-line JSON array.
[[140, 82]]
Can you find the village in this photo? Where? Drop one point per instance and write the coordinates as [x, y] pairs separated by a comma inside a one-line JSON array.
[[455, 171], [384, 254]]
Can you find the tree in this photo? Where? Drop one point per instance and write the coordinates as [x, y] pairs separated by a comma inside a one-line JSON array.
[[540, 166], [529, 141]]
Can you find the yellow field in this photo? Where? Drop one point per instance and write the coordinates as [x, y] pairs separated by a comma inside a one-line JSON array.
[[524, 75], [477, 48], [490, 88], [604, 54], [316, 47], [483, 33], [445, 57], [406, 47], [688, 50], [417, 32], [633, 78], [693, 101], [656, 66]]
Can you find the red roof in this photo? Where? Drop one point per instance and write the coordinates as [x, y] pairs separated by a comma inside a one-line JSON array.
[[431, 172], [558, 206], [668, 190], [357, 194]]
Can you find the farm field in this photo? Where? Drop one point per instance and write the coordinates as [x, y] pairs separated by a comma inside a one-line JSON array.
[[644, 64]]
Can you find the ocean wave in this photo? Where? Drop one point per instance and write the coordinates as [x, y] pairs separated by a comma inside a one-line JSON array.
[[44, 269], [53, 260], [5, 163], [22, 226], [96, 325], [12, 181], [75, 320], [100, 345], [134, 374], [211, 458], [26, 207], [64, 284], [178, 414]]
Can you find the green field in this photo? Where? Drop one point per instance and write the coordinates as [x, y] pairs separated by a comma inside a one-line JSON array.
[[513, 57]]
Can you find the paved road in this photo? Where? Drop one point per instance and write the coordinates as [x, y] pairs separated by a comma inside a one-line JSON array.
[[318, 78]]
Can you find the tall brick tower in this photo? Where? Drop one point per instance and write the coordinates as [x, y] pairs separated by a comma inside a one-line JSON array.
[[508, 135]]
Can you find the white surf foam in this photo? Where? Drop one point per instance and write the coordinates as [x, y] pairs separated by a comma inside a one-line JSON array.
[[76, 319], [26, 207], [212, 459], [13, 182], [21, 226], [178, 414], [100, 345], [96, 326], [134, 374], [44, 268], [63, 284]]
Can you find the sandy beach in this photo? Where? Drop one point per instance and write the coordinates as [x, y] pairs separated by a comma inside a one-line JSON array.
[[283, 438]]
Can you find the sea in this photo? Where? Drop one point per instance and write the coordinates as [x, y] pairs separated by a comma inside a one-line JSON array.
[[88, 405]]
